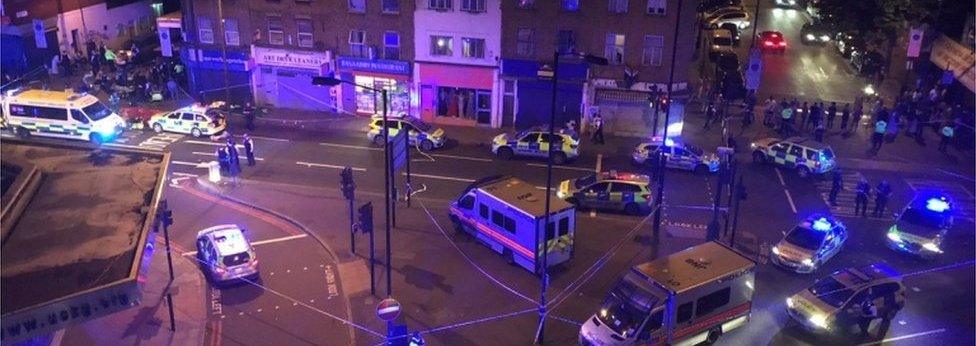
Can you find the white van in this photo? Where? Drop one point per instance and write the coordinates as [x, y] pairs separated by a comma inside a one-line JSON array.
[[508, 214], [61, 114]]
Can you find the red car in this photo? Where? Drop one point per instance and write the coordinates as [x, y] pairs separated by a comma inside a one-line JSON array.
[[772, 41]]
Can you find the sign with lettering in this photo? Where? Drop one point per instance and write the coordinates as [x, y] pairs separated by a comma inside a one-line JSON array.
[[85, 307], [374, 65], [290, 58]]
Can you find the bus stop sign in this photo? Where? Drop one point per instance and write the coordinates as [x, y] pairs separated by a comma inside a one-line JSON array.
[[388, 309]]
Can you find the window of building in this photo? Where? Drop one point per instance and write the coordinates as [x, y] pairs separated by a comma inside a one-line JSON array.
[[653, 50], [614, 49], [473, 5], [276, 30], [205, 26], [305, 36], [566, 41], [656, 7], [464, 103], [714, 300], [391, 45], [618, 6], [525, 3], [391, 6], [439, 5], [120, 30], [441, 45], [684, 312], [525, 46], [357, 6], [570, 5], [357, 43], [232, 35], [473, 47]]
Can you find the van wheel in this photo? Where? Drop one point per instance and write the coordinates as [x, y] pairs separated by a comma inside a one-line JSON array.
[[96, 139], [426, 145], [758, 157], [195, 132], [712, 336], [378, 140], [803, 172], [157, 128], [701, 169], [23, 132], [558, 158], [458, 228], [505, 153], [509, 256], [632, 209]]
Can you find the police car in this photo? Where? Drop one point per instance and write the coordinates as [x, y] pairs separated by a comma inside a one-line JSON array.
[[804, 155], [676, 155], [195, 120], [922, 226], [419, 133], [535, 143], [225, 254], [832, 304], [810, 244], [628, 192]]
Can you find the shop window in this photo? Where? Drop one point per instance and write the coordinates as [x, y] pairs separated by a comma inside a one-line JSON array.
[[570, 5], [525, 3], [357, 43], [657, 7], [614, 49], [618, 6], [441, 45], [473, 47], [276, 30], [653, 50], [205, 26], [473, 5], [370, 102], [525, 46], [391, 45], [305, 33], [391, 6], [357, 6], [471, 104], [567, 41], [439, 5], [232, 35]]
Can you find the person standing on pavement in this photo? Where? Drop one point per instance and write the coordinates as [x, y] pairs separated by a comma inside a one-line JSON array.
[[248, 116], [836, 187], [818, 132], [235, 159], [710, 113], [805, 117], [882, 192], [173, 89], [222, 159], [878, 136], [831, 115], [861, 198], [597, 129], [816, 114], [947, 133], [787, 119], [845, 116], [249, 150]]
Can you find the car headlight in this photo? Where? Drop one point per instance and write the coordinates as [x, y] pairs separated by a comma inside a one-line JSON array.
[[560, 194], [893, 236], [807, 262], [792, 2], [819, 320], [811, 37], [825, 38], [104, 128], [752, 145], [789, 302], [932, 247], [775, 251]]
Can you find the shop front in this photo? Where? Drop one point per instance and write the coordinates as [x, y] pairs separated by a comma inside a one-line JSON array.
[[283, 79], [457, 94], [531, 105], [211, 77], [390, 75]]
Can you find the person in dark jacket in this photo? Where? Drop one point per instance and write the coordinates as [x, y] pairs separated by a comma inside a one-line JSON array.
[[845, 116], [836, 187], [249, 149], [831, 115], [882, 192], [861, 199]]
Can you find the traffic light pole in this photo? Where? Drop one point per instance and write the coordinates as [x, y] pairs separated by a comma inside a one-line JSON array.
[[656, 238], [386, 187], [352, 227], [739, 189], [166, 220]]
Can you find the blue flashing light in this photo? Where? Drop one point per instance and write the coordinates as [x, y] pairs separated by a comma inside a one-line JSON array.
[[937, 205], [668, 142], [821, 224]]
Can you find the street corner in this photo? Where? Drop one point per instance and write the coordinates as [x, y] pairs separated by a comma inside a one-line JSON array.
[[353, 277]]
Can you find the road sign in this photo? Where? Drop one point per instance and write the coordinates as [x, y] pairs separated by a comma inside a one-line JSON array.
[[754, 71], [388, 309], [398, 150], [914, 42]]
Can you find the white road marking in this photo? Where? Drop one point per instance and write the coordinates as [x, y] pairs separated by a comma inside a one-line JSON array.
[[120, 145], [822, 71], [270, 139], [461, 157], [337, 145], [310, 164], [592, 213], [790, 199], [940, 330], [241, 146], [599, 162], [191, 164], [262, 242], [242, 157], [441, 177], [181, 174], [561, 167], [780, 175]]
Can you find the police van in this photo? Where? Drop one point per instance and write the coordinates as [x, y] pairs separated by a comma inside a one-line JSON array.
[[507, 214], [60, 114], [688, 298]]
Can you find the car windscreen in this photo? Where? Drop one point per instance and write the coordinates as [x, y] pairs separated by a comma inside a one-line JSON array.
[[97, 111], [831, 291], [420, 125], [236, 259], [585, 181], [626, 306], [722, 41], [925, 218], [805, 238], [695, 150]]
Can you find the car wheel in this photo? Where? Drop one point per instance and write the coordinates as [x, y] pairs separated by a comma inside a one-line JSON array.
[[803, 171], [505, 153], [426, 145], [378, 140], [157, 128], [632, 209], [509, 256], [558, 158], [23, 132], [758, 157], [701, 169], [195, 132], [96, 139]]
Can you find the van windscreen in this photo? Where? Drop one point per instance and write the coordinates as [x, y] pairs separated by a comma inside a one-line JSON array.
[[97, 111]]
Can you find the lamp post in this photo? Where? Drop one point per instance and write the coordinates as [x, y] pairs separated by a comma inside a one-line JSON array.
[[332, 81], [589, 58], [656, 237]]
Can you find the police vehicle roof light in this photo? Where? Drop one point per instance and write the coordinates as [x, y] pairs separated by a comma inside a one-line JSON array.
[[937, 205], [821, 224]]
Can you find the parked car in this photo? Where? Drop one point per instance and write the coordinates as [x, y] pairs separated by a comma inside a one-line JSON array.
[[739, 18], [847, 43], [720, 42]]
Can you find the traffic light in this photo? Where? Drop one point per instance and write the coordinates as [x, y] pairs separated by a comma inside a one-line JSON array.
[[346, 183], [366, 218]]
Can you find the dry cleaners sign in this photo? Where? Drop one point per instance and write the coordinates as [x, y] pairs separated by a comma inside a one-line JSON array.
[[290, 58]]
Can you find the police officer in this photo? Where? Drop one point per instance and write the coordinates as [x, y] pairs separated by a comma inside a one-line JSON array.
[[249, 116], [845, 116], [861, 199], [249, 149], [882, 192], [831, 114], [223, 160], [836, 187], [416, 339], [234, 159], [869, 312], [947, 133]]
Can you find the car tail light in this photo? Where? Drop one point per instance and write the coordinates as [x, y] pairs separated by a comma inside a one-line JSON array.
[[220, 270], [253, 263], [816, 164], [768, 43], [782, 43], [646, 196]]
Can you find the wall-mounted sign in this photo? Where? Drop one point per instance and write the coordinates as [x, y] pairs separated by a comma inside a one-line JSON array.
[[290, 58], [374, 65]]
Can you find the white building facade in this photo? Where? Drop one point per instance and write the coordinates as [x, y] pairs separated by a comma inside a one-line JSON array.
[[108, 26], [457, 52]]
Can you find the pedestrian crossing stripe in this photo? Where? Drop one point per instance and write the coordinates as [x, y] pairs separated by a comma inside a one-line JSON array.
[[846, 197]]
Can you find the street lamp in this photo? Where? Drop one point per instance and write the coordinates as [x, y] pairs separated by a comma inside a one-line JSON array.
[[589, 58], [332, 81]]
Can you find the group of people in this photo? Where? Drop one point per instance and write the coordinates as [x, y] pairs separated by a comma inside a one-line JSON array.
[[791, 117], [229, 158], [863, 191]]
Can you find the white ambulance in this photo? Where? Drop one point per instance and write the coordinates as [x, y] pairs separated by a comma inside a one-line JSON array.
[[507, 214], [61, 114], [688, 298]]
